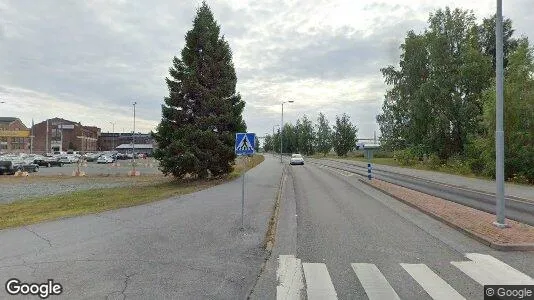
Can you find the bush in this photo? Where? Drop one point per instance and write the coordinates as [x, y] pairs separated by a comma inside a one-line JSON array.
[[458, 165], [406, 157], [433, 161]]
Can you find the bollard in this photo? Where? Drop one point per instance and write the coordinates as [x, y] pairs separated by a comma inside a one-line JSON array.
[[369, 176]]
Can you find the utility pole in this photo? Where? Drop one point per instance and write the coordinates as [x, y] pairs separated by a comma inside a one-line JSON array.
[[499, 131]]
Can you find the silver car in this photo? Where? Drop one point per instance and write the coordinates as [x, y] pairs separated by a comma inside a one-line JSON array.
[[296, 159]]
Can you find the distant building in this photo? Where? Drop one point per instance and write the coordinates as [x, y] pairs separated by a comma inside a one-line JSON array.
[[139, 148], [14, 136], [108, 141], [58, 134]]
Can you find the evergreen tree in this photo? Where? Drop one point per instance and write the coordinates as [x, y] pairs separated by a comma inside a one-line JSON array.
[[203, 111]]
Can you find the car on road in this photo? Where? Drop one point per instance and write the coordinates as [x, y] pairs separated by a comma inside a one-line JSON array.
[[296, 159], [104, 159]]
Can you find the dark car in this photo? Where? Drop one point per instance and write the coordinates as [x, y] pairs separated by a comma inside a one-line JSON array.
[[48, 162], [6, 168], [25, 166]]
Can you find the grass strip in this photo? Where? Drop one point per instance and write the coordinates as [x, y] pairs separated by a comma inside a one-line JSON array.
[[78, 203]]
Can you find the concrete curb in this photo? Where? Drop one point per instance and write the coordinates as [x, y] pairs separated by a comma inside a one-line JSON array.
[[480, 238], [268, 243]]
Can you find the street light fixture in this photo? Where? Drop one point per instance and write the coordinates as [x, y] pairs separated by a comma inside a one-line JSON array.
[[282, 128]]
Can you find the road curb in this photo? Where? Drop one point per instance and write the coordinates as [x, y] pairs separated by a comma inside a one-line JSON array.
[[480, 238], [270, 234]]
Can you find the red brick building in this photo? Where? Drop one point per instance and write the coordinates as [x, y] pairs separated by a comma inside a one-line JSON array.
[[64, 135], [14, 136]]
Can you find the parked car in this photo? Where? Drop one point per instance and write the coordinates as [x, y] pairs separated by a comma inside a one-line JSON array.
[[6, 167], [25, 166], [296, 159], [104, 159], [47, 161]]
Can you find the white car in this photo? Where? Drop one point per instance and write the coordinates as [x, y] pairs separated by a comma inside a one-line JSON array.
[[104, 159], [296, 159]]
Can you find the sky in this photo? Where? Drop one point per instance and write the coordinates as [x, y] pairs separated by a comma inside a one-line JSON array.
[[88, 61]]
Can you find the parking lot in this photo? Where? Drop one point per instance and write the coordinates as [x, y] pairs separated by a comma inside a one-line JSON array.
[[49, 181]]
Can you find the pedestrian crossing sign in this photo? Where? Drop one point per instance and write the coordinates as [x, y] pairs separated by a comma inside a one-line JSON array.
[[244, 143]]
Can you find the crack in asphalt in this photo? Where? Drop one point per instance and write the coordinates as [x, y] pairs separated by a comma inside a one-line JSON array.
[[124, 223], [39, 236]]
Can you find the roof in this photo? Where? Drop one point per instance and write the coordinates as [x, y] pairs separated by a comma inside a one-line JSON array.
[[137, 146], [7, 119]]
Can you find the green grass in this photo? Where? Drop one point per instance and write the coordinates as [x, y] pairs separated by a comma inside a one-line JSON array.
[[93, 201]]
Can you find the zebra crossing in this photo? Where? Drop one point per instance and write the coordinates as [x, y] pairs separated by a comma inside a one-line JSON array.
[[294, 276]]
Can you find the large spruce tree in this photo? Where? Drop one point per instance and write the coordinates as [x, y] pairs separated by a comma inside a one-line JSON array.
[[203, 110]]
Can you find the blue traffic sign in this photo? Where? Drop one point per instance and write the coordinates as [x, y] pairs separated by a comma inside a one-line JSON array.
[[244, 143]]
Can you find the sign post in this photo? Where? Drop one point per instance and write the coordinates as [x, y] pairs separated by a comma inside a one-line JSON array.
[[244, 145]]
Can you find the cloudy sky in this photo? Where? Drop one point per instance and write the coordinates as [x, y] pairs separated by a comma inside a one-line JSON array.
[[89, 60]]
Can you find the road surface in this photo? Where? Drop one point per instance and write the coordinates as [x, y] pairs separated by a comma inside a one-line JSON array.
[[182, 248], [353, 242]]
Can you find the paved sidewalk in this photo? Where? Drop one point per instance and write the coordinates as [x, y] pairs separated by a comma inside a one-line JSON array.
[[476, 223], [522, 191], [181, 248]]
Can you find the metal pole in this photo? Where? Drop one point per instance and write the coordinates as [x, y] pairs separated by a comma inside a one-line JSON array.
[[499, 132], [243, 200], [281, 132], [47, 134], [133, 141]]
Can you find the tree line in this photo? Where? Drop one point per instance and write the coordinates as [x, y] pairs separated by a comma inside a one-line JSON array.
[[308, 138], [440, 105]]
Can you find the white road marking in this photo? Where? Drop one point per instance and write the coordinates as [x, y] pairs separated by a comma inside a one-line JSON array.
[[374, 283], [486, 270], [289, 276], [436, 287], [318, 282]]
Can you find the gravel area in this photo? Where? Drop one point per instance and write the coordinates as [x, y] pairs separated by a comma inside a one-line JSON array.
[[14, 189], [474, 222]]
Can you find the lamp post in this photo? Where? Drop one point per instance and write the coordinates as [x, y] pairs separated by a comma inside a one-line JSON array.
[[499, 130], [113, 135], [133, 141], [282, 129]]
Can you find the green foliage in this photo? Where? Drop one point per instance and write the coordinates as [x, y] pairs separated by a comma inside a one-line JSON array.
[[344, 136], [268, 143], [324, 135], [434, 102], [406, 157], [518, 118], [306, 136], [203, 111]]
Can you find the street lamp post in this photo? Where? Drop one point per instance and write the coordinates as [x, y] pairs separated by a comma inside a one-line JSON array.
[[113, 135], [133, 141], [282, 128], [499, 130]]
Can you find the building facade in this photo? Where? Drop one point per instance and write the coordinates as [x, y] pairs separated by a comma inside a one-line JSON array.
[[14, 136], [109, 141], [58, 134]]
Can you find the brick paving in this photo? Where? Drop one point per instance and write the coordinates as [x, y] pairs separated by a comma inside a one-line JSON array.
[[472, 221]]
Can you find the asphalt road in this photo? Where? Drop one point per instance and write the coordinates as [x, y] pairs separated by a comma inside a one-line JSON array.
[[187, 247], [330, 221], [471, 192]]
